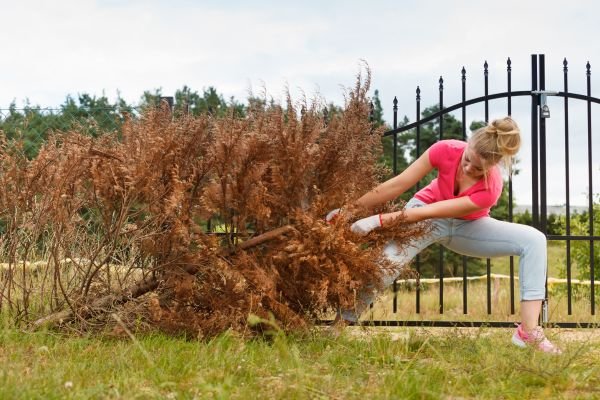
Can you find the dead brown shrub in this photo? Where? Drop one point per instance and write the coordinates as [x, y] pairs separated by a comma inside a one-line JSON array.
[[140, 201]]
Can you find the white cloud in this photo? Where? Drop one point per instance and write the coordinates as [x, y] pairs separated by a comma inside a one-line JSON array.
[[51, 49]]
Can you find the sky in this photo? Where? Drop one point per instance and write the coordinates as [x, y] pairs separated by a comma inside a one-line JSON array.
[[314, 49]]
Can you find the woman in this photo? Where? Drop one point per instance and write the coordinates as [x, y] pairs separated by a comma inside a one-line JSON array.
[[458, 204]]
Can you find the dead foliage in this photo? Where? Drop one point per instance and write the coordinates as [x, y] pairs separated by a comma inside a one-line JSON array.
[[130, 211]]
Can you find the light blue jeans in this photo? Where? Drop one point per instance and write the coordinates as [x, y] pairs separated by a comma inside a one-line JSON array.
[[484, 237]]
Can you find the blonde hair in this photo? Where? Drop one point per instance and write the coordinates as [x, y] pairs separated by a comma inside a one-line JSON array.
[[498, 141]]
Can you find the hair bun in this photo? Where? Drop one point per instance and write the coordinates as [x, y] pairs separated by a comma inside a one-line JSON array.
[[507, 134], [499, 140], [492, 129]]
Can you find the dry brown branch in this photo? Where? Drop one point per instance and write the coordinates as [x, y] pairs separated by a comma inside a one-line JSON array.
[[108, 302], [265, 237], [143, 198], [102, 304]]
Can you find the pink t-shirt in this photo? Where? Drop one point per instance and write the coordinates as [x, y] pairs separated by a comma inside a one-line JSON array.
[[445, 155]]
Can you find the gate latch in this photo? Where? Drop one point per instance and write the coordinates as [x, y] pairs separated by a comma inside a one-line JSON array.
[[543, 101]]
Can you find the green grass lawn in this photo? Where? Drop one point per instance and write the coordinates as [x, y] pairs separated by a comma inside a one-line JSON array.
[[363, 363], [404, 363]]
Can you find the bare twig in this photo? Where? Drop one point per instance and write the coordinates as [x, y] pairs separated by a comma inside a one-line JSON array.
[[143, 287]]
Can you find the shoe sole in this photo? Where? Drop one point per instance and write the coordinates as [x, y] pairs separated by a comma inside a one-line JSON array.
[[517, 341]]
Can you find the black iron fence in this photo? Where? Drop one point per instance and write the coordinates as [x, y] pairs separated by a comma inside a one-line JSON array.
[[540, 113]]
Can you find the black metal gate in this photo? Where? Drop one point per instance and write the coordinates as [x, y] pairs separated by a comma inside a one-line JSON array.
[[539, 212]]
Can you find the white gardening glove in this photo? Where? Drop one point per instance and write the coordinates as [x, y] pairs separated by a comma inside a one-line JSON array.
[[366, 225], [332, 214]]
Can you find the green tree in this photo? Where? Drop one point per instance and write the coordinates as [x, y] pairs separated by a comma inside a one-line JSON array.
[[524, 218], [210, 102], [29, 125], [555, 224], [32, 124], [150, 98], [377, 114], [95, 114], [188, 100]]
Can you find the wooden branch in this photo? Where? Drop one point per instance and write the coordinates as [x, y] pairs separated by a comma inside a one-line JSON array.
[[101, 153], [99, 304], [265, 237], [143, 287]]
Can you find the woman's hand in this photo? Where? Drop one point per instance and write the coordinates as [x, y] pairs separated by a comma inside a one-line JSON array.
[[366, 225], [331, 215]]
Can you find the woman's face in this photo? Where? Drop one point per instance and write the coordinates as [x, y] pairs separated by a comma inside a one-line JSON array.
[[472, 165]]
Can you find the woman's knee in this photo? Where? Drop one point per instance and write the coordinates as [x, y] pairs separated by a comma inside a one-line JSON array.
[[534, 257], [536, 240]]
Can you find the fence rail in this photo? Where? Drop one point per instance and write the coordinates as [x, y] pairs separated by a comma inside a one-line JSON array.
[[493, 276]]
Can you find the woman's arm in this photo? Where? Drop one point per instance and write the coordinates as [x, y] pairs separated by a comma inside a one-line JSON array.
[[454, 208], [394, 187]]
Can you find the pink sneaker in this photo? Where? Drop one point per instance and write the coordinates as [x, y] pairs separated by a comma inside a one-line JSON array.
[[535, 339]]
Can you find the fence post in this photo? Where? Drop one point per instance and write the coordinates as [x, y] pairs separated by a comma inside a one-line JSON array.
[[588, 73], [535, 212], [395, 137]]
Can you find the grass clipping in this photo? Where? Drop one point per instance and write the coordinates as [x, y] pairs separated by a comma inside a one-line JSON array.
[[143, 197]]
